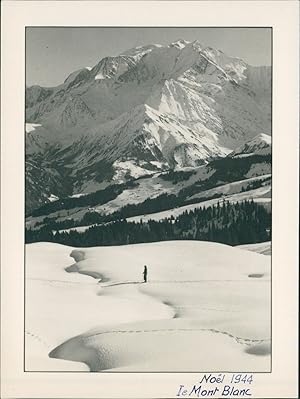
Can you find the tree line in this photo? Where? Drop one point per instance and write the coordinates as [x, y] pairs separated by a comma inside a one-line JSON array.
[[229, 223]]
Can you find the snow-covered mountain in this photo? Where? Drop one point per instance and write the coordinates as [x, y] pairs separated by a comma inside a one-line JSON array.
[[150, 109], [259, 145]]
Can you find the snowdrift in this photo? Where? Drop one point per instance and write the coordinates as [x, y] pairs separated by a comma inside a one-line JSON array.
[[205, 307]]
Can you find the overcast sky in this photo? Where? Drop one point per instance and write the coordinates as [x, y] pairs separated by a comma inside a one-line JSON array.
[[53, 53]]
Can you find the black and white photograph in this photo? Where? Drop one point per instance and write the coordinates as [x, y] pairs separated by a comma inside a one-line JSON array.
[[149, 199], [148, 176]]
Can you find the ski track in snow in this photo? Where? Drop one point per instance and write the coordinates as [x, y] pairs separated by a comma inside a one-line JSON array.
[[239, 340], [38, 338]]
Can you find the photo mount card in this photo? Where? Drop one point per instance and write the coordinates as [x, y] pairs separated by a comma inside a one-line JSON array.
[[144, 204]]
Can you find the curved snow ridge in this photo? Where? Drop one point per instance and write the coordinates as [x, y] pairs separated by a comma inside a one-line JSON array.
[[79, 256], [145, 349], [128, 289]]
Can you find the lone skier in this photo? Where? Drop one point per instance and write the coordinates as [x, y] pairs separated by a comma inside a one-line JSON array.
[[145, 272]]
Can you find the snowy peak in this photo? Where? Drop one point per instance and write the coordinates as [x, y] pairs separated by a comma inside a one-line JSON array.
[[138, 52], [196, 45], [162, 63], [181, 43], [263, 138], [77, 77], [111, 67], [233, 66], [259, 145]]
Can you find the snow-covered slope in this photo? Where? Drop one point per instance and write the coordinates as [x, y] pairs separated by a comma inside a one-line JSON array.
[[263, 248], [156, 107], [202, 295], [259, 145], [30, 127]]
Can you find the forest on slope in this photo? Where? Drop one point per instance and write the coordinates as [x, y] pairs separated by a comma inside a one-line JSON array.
[[229, 223]]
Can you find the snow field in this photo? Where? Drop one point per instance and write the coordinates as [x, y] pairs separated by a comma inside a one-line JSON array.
[[199, 311], [261, 248]]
